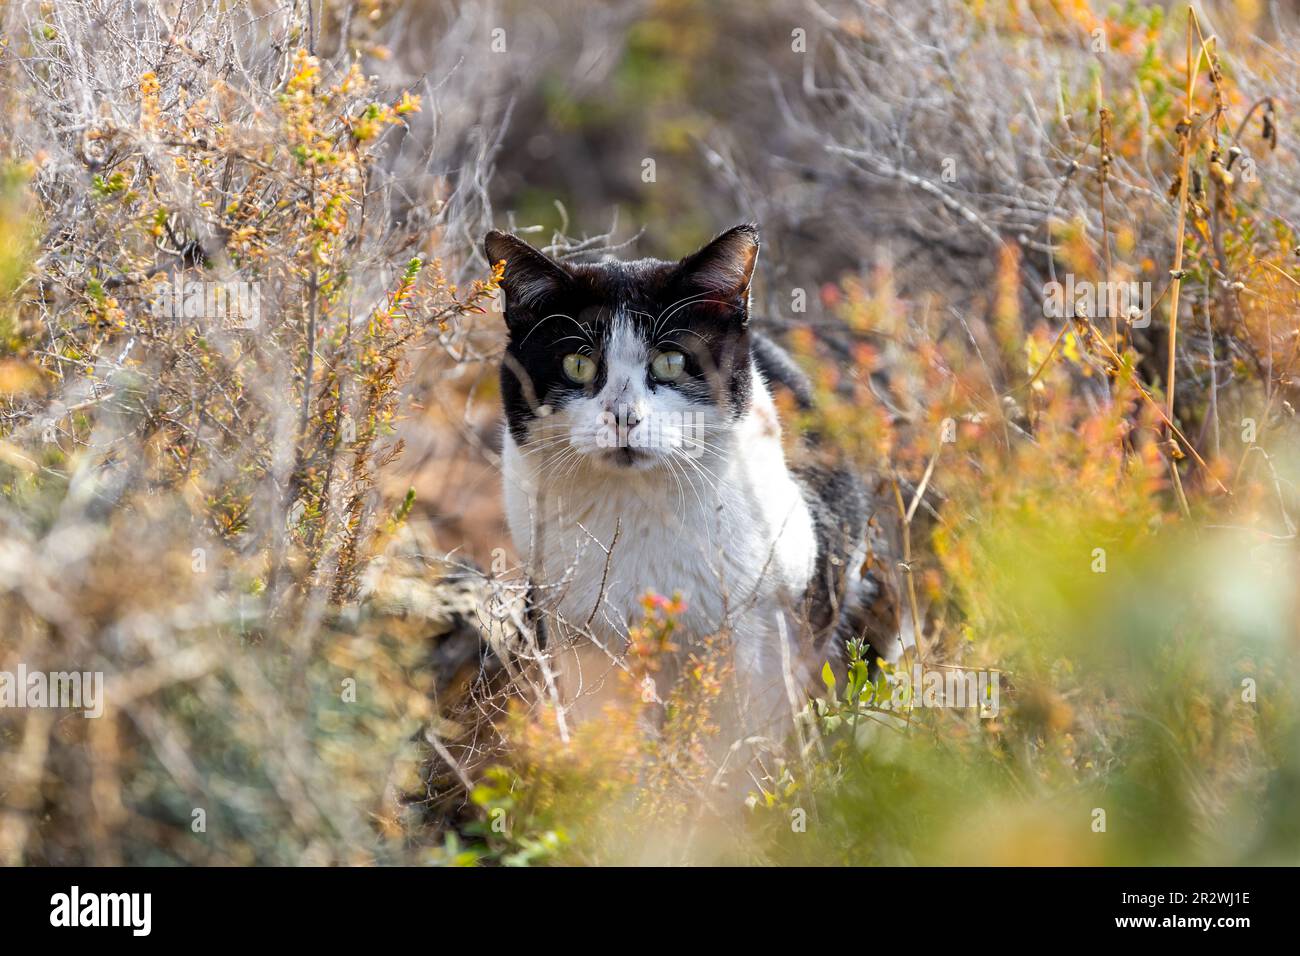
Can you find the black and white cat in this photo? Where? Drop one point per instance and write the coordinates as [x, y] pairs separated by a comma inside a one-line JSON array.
[[637, 405]]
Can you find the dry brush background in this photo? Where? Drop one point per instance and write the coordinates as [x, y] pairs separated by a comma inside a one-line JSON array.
[[282, 542]]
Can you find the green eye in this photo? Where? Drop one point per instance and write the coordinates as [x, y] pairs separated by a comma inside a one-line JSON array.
[[579, 368], [668, 366]]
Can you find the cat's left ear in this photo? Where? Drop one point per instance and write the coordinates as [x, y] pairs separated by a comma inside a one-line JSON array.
[[530, 275], [725, 266]]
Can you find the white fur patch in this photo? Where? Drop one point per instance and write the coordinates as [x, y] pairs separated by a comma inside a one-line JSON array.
[[727, 528]]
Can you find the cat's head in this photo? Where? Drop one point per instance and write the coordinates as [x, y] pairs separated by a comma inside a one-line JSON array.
[[627, 365]]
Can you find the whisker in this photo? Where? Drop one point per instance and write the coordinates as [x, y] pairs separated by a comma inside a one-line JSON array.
[[678, 460], [683, 303], [560, 315]]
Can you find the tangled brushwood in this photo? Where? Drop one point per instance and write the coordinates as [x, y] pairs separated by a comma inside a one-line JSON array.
[[1040, 262], [220, 271]]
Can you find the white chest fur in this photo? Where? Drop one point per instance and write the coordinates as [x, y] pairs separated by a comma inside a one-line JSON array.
[[731, 533]]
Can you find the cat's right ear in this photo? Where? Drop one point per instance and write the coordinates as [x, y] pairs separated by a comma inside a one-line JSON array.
[[529, 275]]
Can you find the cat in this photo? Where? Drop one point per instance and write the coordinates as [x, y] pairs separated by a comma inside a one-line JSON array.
[[642, 450]]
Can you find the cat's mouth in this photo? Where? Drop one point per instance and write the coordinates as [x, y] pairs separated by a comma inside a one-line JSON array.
[[628, 457]]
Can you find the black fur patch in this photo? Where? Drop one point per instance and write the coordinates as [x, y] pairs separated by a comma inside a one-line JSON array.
[[846, 514], [777, 366]]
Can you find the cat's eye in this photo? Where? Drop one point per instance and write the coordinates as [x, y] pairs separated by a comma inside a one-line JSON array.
[[579, 368], [668, 366]]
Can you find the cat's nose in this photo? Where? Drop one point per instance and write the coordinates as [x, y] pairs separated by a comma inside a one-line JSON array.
[[612, 398], [620, 403]]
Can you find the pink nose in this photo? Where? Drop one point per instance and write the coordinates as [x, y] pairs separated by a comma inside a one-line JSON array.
[[614, 396], [625, 413]]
